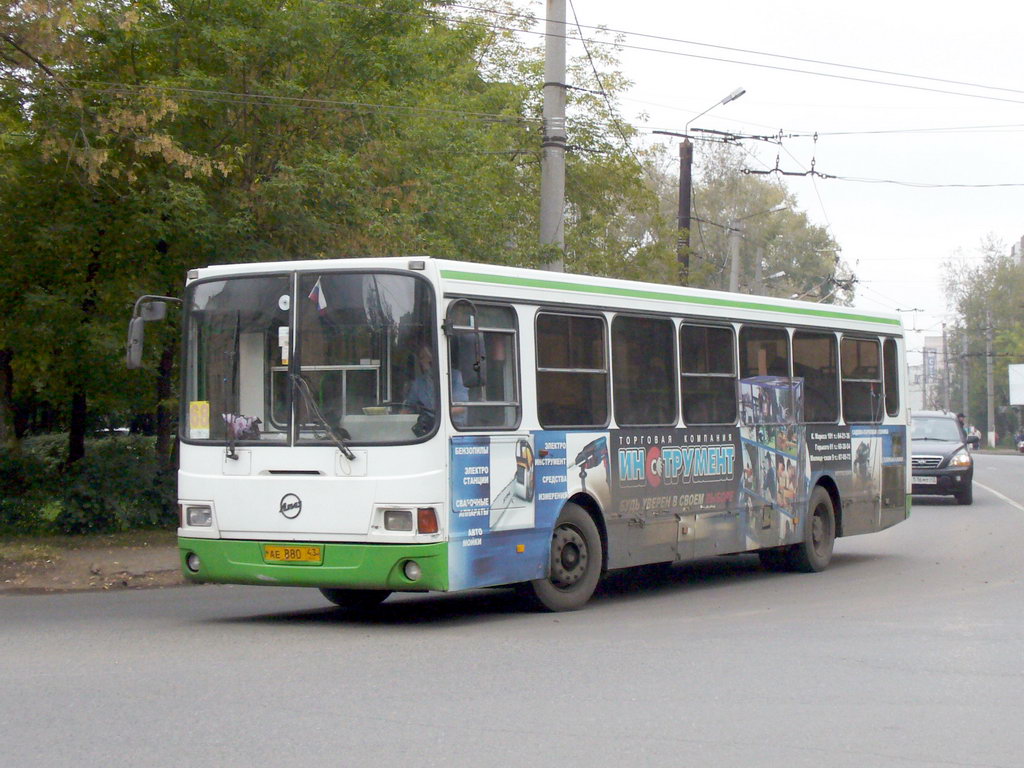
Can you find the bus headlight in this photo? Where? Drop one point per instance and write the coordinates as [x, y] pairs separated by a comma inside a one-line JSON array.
[[397, 520], [192, 562], [199, 517]]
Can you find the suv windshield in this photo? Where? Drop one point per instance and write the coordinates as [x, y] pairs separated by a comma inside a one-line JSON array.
[[314, 358], [935, 428]]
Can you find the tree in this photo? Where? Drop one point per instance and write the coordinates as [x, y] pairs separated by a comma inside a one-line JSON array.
[[157, 136], [986, 295], [768, 219]]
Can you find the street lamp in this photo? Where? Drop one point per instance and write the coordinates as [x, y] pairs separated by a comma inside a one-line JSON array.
[[731, 97], [686, 188]]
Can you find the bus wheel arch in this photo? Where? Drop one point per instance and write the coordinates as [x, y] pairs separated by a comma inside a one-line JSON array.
[[829, 484], [591, 507], [814, 552], [576, 565]]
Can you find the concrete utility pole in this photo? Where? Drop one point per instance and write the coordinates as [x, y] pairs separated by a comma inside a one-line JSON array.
[[965, 383], [990, 385], [735, 233], [734, 255], [759, 271], [945, 371], [552, 174]]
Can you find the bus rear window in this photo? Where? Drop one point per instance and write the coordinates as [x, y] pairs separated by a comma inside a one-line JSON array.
[[862, 381]]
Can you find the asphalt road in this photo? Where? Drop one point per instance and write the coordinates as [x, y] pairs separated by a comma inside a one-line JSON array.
[[906, 652]]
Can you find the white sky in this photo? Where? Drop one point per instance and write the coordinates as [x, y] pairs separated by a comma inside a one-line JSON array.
[[894, 237]]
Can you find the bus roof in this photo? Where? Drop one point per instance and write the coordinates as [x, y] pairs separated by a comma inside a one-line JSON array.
[[585, 291]]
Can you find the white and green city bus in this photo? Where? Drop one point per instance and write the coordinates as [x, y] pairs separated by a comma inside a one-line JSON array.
[[369, 426]]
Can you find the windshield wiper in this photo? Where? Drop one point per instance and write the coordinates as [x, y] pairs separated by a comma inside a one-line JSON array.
[[302, 386]]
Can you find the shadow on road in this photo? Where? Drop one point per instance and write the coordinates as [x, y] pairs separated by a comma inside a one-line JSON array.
[[645, 582], [934, 501]]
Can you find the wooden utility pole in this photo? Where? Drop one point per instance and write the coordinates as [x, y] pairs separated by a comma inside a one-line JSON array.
[[685, 197]]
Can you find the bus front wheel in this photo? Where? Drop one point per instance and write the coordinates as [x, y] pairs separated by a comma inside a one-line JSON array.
[[576, 558], [355, 599], [815, 552]]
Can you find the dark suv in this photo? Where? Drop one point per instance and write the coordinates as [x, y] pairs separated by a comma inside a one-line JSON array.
[[941, 463]]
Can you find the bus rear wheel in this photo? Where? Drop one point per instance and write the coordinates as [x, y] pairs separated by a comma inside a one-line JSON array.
[[355, 599], [576, 558], [814, 553]]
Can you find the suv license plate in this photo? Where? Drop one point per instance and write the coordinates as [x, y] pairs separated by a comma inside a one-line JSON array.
[[312, 554], [926, 480]]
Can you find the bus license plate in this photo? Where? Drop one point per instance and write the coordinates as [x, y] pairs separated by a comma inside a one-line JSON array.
[[925, 480], [293, 553]]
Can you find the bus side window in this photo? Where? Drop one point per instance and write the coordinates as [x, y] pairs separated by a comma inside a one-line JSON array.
[[891, 368], [763, 351], [815, 361], [862, 381], [495, 404], [707, 374], [572, 371], [643, 372]]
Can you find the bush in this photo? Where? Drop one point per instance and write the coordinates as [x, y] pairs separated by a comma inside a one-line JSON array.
[[28, 481], [117, 486]]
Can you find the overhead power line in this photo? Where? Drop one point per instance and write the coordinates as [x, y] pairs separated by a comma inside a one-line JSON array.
[[783, 57]]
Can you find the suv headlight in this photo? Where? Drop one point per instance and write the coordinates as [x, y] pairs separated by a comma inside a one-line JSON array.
[[961, 459]]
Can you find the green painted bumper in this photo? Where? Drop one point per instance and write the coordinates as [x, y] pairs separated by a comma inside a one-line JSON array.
[[357, 566]]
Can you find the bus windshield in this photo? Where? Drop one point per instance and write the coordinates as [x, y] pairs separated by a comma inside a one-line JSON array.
[[311, 358]]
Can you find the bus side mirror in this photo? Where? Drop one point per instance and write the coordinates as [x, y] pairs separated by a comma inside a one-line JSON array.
[[147, 309], [136, 335], [153, 310], [467, 343]]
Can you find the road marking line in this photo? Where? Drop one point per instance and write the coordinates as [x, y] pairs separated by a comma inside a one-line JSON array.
[[1009, 501]]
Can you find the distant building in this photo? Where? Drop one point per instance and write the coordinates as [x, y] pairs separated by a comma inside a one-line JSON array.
[[1017, 251], [933, 374], [915, 387]]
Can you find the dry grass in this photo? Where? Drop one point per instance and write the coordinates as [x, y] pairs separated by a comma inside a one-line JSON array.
[[28, 549]]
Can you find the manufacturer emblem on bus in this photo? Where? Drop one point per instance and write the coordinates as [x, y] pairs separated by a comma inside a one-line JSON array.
[[291, 506]]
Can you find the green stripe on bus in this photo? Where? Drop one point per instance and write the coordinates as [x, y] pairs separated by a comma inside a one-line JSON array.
[[638, 293]]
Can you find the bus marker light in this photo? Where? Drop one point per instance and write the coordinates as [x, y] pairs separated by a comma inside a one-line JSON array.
[[412, 570], [520, 548], [397, 520], [192, 562], [426, 520]]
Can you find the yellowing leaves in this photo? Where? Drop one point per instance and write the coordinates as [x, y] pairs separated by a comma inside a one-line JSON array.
[[131, 18], [173, 154]]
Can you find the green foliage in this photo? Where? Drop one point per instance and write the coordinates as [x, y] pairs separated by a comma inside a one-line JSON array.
[[986, 294], [143, 139], [768, 218], [118, 486]]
